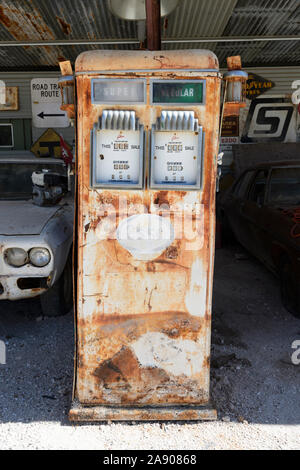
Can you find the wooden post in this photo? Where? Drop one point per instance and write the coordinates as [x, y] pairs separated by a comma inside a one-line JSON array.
[[153, 25]]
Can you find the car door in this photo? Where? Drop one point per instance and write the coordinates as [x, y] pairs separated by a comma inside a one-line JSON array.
[[235, 203], [252, 214], [283, 195]]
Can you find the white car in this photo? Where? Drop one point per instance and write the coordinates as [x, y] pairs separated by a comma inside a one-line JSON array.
[[35, 240]]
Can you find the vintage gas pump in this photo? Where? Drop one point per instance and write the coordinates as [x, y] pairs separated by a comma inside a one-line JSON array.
[[147, 145]]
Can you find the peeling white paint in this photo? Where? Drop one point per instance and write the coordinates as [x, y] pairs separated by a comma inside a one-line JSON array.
[[195, 299], [176, 356], [190, 198]]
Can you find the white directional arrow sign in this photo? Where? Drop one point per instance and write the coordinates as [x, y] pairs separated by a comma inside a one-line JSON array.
[[46, 101]]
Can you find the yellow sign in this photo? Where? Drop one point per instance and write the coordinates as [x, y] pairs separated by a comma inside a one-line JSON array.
[[48, 145], [257, 85]]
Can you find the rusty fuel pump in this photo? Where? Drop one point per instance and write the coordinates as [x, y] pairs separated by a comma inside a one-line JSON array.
[[147, 146]]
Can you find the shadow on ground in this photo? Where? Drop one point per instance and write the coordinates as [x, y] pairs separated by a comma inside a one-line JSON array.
[[253, 377]]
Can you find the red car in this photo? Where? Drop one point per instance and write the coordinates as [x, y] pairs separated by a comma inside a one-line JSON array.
[[262, 209]]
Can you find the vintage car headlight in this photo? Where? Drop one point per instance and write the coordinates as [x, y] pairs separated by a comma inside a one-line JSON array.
[[39, 257], [16, 257]]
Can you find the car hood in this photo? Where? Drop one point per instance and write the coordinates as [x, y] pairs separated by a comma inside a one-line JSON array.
[[23, 217]]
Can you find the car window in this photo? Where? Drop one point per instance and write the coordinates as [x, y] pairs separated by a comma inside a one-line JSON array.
[[258, 189], [285, 185], [241, 188], [15, 178]]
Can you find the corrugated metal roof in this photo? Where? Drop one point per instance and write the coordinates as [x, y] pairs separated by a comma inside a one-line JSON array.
[[44, 20], [264, 18], [196, 18], [52, 20]]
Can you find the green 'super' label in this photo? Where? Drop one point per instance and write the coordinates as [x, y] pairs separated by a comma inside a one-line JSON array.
[[178, 92]]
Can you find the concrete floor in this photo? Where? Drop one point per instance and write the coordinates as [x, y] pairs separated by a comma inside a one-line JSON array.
[[255, 386]]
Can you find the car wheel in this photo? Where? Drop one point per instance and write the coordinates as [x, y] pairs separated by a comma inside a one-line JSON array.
[[289, 292], [58, 300]]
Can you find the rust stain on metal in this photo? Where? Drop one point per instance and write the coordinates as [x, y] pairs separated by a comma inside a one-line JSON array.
[[190, 59], [234, 62], [140, 413], [65, 67], [61, 58], [144, 325], [65, 27], [11, 99], [24, 26], [172, 252], [28, 25]]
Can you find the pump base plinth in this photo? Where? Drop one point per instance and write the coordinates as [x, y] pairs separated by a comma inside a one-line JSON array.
[[80, 412]]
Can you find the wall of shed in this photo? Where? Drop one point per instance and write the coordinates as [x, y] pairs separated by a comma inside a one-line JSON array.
[[23, 81], [283, 77]]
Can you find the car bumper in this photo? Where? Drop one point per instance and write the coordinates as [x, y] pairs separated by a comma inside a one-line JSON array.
[[16, 288]]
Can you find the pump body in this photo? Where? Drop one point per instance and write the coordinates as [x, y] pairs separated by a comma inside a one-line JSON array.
[[147, 145]]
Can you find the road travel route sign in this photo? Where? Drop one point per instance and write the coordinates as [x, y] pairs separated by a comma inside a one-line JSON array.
[[46, 101]]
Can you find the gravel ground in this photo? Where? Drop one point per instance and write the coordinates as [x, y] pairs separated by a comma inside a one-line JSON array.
[[255, 386]]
